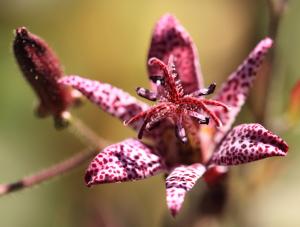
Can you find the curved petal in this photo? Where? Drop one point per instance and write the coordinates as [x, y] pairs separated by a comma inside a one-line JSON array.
[[125, 161], [109, 98], [247, 143], [181, 180], [170, 38], [235, 90]]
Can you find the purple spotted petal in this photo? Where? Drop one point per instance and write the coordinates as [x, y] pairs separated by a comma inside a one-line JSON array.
[[181, 180], [110, 99], [247, 143], [124, 161], [235, 90], [169, 37]]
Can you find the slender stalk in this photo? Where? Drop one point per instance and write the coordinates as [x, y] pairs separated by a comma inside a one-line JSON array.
[[85, 134], [81, 131], [49, 173], [276, 11]]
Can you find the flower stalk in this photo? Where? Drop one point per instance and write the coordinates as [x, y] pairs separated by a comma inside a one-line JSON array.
[[51, 172], [276, 10]]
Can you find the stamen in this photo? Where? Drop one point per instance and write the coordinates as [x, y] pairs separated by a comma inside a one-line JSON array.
[[147, 94], [173, 73], [135, 118], [170, 82], [161, 65], [205, 91], [158, 80], [162, 112], [199, 104], [141, 131], [213, 116], [154, 122], [179, 130], [173, 103], [200, 118], [216, 103]]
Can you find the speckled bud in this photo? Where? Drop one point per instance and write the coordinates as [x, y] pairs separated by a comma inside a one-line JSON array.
[[42, 69]]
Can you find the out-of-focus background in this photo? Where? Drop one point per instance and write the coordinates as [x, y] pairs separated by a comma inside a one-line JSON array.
[[108, 41]]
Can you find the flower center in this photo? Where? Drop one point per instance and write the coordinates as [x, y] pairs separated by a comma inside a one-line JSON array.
[[173, 104]]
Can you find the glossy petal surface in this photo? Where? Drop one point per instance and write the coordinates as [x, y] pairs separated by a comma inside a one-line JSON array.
[[109, 98], [170, 38], [247, 143], [125, 161], [235, 90], [181, 180]]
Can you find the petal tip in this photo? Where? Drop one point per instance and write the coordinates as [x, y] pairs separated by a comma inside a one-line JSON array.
[[284, 147], [264, 44], [21, 31], [268, 42], [88, 178], [168, 18], [174, 211]]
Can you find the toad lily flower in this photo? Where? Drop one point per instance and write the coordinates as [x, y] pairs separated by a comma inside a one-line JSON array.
[[200, 148]]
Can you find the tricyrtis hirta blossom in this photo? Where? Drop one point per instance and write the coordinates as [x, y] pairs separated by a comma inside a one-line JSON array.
[[203, 142], [42, 69]]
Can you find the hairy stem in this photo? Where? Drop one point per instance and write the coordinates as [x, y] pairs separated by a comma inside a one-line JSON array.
[[85, 134], [49, 173], [81, 131]]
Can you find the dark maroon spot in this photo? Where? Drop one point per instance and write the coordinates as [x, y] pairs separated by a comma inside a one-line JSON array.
[[88, 177]]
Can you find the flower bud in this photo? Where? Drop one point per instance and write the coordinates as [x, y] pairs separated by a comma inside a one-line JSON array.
[[42, 69]]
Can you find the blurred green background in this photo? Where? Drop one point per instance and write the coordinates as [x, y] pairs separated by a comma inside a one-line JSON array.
[[108, 41]]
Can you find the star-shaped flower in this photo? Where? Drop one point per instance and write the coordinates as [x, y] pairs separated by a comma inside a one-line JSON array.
[[207, 148]]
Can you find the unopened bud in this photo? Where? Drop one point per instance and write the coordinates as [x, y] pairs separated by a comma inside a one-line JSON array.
[[42, 69]]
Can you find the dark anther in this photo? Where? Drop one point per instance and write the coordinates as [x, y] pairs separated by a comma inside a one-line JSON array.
[[205, 91], [180, 133], [211, 88], [204, 120], [157, 78], [147, 94]]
